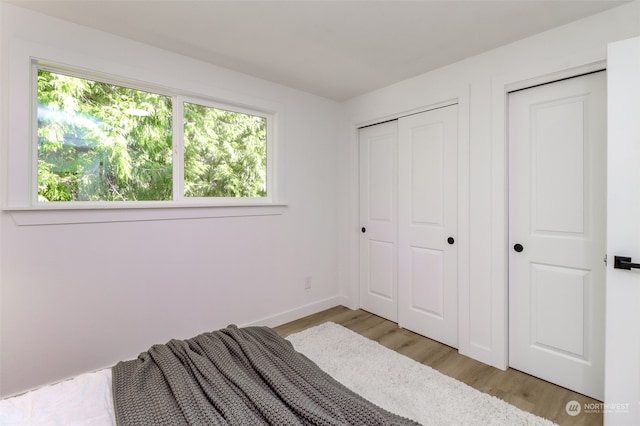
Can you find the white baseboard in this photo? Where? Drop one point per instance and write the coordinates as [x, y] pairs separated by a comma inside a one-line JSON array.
[[351, 304], [297, 313]]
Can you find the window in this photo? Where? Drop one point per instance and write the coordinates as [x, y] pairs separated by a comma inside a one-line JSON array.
[[102, 142], [106, 141], [225, 153]]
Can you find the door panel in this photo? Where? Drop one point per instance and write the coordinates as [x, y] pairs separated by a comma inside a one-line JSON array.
[[557, 212], [427, 215], [427, 281], [557, 321], [558, 204], [623, 234], [378, 206], [427, 180], [381, 261]]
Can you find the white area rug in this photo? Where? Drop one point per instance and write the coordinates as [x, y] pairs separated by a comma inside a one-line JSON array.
[[402, 385]]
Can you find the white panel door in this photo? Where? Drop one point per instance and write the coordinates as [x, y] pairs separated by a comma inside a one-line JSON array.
[[557, 224], [622, 369], [378, 210], [427, 221]]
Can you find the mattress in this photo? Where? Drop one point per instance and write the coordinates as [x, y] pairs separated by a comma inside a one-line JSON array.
[[83, 400], [231, 376]]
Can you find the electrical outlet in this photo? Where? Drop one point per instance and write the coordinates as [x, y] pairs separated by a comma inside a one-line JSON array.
[[307, 283]]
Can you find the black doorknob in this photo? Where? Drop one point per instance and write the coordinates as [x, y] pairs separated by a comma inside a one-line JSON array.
[[364, 229], [518, 247], [450, 240], [623, 262]]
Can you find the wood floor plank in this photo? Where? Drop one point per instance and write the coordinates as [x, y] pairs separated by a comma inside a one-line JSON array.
[[526, 392]]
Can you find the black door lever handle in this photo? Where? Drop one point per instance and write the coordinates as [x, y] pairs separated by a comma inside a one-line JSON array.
[[621, 262]]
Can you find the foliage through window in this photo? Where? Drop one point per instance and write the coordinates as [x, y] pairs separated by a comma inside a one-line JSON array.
[[104, 142], [225, 153]]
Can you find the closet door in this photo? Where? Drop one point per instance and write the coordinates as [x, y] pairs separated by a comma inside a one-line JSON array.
[[427, 223], [557, 232], [378, 221]]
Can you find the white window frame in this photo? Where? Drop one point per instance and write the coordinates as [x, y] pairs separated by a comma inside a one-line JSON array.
[[21, 198], [177, 100]]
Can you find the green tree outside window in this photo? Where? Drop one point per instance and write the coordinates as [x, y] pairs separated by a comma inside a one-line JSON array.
[[104, 142]]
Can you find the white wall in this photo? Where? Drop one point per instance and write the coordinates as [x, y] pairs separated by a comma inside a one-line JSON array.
[[480, 83], [79, 297]]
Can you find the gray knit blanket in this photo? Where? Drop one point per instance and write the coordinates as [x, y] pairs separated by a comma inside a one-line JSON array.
[[235, 376]]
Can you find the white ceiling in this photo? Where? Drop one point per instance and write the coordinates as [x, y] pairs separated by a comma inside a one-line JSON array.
[[335, 49]]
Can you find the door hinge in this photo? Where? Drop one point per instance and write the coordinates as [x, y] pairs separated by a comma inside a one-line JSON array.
[[605, 259]]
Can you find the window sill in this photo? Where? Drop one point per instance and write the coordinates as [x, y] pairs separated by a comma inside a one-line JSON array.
[[59, 216]]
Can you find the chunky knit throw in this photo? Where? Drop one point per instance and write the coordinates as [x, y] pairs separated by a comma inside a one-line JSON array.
[[235, 376]]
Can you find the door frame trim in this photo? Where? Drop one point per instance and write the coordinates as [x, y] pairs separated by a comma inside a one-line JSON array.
[[501, 86], [413, 111]]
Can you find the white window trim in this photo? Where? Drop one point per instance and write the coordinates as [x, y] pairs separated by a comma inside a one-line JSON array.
[[23, 205], [60, 216]]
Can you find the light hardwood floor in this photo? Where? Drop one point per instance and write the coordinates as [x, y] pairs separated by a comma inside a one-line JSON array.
[[522, 390]]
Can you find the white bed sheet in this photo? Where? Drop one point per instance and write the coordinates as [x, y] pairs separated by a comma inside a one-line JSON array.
[[83, 400]]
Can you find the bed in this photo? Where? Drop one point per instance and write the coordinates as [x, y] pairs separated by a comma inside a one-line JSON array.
[[236, 376]]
